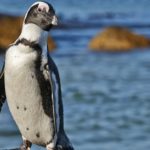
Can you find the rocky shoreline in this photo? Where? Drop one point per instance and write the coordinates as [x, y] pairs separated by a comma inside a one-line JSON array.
[[117, 38], [10, 28], [111, 39]]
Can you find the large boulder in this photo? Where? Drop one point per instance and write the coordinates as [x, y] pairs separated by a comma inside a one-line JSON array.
[[10, 28], [118, 39]]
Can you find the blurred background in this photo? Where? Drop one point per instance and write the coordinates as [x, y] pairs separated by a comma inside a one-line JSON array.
[[101, 48]]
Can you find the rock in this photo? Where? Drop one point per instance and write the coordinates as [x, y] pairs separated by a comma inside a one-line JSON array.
[[118, 39], [10, 28], [51, 44]]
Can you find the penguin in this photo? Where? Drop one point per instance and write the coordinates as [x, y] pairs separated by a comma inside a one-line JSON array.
[[30, 81], [2, 89]]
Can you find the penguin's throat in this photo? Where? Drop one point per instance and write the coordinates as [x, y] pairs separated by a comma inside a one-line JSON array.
[[33, 33]]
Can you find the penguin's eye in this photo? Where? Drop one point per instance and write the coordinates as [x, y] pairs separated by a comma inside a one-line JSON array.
[[39, 9]]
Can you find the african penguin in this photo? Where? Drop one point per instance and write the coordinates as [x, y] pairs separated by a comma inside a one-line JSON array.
[[32, 83]]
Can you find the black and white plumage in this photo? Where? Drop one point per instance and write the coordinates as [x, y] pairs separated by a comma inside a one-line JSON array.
[[2, 88], [32, 84]]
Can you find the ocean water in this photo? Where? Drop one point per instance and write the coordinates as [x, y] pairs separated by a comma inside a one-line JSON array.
[[106, 95]]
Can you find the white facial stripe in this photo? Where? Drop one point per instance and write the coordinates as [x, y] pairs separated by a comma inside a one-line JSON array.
[[43, 6], [40, 3]]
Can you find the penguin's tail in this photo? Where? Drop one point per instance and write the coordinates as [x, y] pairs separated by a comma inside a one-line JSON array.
[[63, 142]]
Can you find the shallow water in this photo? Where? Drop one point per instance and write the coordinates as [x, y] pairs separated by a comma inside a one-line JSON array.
[[106, 102], [106, 96]]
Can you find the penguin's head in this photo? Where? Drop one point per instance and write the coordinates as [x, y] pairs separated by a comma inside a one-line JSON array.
[[42, 14]]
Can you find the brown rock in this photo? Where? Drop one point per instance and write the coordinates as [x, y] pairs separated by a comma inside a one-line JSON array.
[[51, 44], [10, 28], [118, 39]]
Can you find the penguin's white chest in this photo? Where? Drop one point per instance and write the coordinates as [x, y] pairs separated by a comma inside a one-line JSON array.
[[24, 96]]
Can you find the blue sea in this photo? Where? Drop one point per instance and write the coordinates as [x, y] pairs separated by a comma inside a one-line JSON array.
[[106, 95]]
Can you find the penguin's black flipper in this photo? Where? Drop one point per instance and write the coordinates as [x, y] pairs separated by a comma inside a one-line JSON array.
[[63, 142], [2, 89]]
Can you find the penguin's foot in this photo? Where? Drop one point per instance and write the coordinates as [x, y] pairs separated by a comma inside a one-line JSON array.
[[26, 145], [23, 147], [50, 146]]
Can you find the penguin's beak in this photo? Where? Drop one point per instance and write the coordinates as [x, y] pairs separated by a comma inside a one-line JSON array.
[[54, 20]]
